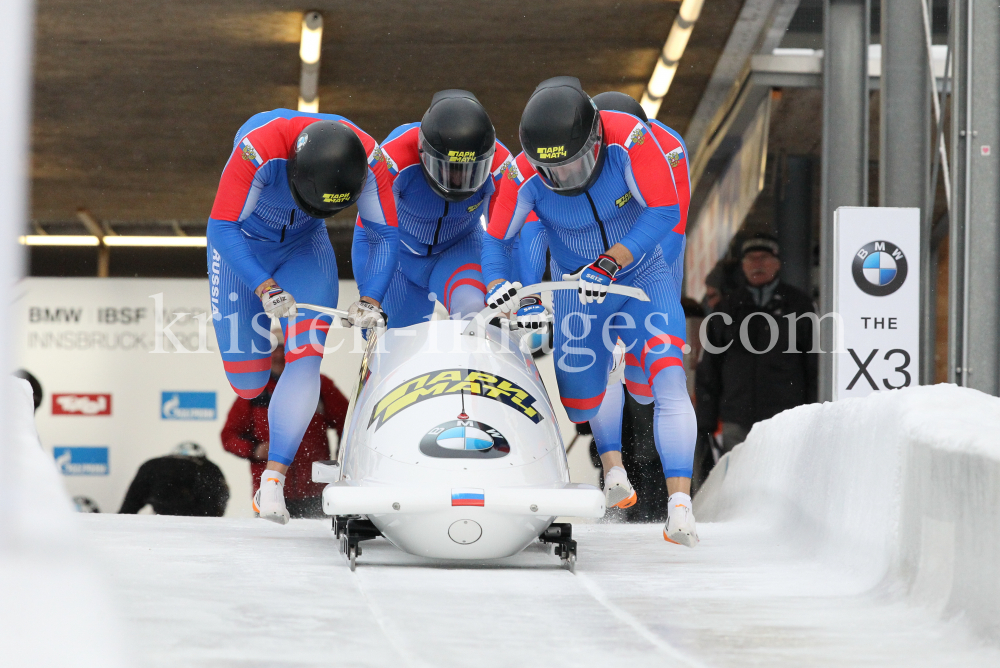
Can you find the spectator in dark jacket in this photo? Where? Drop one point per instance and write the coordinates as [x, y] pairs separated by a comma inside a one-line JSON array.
[[746, 373], [182, 483], [246, 435]]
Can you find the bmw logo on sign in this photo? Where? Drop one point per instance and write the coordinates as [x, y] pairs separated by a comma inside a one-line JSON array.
[[464, 439], [879, 268]]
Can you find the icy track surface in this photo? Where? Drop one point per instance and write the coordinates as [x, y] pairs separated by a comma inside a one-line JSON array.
[[241, 592]]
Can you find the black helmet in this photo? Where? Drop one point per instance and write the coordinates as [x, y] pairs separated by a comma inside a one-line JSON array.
[[615, 101], [327, 168], [562, 136], [457, 142]]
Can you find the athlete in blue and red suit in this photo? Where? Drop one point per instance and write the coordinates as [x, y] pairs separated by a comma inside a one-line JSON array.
[[601, 186], [444, 172], [529, 258], [607, 424], [268, 246]]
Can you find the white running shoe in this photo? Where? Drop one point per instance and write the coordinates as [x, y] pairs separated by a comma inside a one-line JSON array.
[[681, 528], [269, 501], [618, 492], [617, 363]]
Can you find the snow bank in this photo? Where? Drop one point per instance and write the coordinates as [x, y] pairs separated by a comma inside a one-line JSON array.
[[54, 610], [900, 488]]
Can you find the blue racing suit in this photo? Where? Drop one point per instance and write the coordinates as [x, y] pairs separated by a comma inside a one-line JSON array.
[[257, 232], [440, 242], [633, 202], [532, 242]]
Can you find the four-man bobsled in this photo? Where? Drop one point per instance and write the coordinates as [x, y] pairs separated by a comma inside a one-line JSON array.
[[452, 449]]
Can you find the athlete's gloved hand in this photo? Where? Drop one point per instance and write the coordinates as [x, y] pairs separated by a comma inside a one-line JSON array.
[[366, 315], [531, 313], [501, 294], [596, 277], [278, 303]]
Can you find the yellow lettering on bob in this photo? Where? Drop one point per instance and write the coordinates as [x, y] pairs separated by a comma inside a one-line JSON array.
[[449, 382], [453, 375]]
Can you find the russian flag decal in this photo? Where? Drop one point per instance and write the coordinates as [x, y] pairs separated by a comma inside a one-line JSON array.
[[378, 155], [468, 497], [249, 153], [636, 136]]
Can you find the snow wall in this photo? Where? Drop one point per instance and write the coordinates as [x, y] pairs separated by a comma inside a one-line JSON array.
[[900, 488], [54, 606]]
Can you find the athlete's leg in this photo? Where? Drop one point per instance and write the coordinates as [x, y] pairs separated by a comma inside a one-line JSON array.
[[676, 430], [242, 329], [607, 429], [660, 360], [457, 277], [656, 346], [405, 302], [309, 273], [607, 426], [675, 426], [243, 332], [582, 359]]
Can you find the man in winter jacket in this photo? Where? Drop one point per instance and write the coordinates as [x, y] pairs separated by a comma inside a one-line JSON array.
[[181, 483], [748, 373], [246, 434]]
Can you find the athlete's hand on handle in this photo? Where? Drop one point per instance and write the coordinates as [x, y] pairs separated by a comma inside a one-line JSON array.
[[596, 277], [531, 313], [277, 303], [501, 293], [366, 314]]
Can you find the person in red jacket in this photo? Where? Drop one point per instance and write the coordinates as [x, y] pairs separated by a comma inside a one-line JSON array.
[[246, 435]]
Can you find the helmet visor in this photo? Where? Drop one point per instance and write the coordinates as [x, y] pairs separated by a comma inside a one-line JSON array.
[[458, 172], [573, 172]]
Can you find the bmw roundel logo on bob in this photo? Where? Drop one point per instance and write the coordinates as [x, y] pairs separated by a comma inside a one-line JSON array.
[[464, 439], [879, 268]]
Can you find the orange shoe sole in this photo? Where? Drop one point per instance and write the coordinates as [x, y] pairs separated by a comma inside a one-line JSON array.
[[667, 539], [627, 503]]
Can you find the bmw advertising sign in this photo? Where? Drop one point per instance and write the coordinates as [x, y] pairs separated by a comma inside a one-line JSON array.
[[877, 300], [879, 268], [464, 439]]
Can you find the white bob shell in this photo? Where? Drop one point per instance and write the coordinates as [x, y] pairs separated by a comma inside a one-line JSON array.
[[426, 391]]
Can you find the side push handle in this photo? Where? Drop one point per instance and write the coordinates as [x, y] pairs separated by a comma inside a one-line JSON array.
[[337, 313], [478, 325], [326, 310]]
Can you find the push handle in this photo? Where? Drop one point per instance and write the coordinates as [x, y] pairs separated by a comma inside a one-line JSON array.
[[478, 325], [336, 312]]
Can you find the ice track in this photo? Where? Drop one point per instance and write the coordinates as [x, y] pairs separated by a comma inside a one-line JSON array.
[[224, 592], [857, 533]]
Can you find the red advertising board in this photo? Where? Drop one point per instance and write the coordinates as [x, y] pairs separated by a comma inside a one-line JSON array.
[[81, 404]]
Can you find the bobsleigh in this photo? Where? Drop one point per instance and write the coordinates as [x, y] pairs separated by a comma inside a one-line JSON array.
[[451, 448]]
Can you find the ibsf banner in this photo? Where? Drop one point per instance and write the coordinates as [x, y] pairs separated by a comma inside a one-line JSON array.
[[877, 296], [130, 368]]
